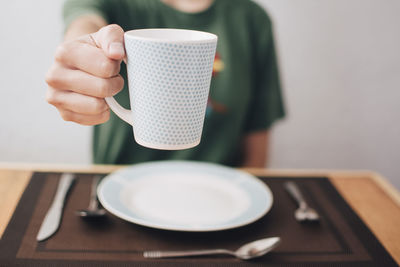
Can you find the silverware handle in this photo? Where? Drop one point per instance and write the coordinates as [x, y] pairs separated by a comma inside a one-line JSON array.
[[94, 203], [294, 191], [188, 253], [64, 185]]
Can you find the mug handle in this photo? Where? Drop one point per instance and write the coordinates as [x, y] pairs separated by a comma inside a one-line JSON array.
[[123, 113]]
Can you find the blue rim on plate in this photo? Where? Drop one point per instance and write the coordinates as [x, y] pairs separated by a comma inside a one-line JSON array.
[[117, 191]]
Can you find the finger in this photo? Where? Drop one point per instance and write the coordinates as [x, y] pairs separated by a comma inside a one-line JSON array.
[[77, 103], [89, 120], [111, 40], [86, 57], [81, 82]]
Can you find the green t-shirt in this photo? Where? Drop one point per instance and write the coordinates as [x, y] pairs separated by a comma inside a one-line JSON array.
[[245, 94]]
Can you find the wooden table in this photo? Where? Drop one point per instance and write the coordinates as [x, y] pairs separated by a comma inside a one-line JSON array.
[[375, 200]]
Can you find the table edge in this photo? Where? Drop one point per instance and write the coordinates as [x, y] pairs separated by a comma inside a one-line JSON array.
[[381, 181]]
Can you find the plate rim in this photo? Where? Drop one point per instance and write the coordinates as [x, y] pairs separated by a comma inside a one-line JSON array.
[[191, 228]]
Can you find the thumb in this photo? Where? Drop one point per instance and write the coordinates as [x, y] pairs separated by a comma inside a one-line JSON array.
[[111, 40]]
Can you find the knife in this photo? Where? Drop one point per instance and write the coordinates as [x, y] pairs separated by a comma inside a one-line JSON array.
[[53, 216]]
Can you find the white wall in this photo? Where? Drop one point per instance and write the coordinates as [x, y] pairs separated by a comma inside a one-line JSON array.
[[31, 130], [340, 63], [340, 66]]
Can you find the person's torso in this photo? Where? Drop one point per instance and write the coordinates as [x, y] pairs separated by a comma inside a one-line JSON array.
[[230, 91]]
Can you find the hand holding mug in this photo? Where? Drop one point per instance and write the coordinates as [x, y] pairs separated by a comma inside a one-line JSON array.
[[169, 75], [85, 71]]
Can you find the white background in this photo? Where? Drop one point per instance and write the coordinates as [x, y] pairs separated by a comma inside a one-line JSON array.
[[340, 68]]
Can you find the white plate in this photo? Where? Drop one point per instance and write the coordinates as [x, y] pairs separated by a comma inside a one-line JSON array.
[[185, 196]]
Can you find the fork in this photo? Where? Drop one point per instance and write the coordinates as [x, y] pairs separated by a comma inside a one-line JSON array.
[[304, 213]]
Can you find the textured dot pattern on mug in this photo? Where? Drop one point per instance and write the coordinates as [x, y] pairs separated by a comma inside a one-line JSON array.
[[169, 85]]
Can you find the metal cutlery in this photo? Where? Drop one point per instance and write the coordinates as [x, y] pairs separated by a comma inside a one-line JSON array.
[[53, 216], [93, 210], [304, 213], [248, 251]]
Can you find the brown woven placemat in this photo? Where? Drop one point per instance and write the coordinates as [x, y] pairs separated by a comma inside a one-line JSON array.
[[340, 239]]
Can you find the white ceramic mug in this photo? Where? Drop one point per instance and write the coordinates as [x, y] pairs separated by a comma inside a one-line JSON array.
[[169, 75]]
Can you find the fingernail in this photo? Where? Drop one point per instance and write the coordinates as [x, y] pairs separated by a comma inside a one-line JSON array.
[[116, 48]]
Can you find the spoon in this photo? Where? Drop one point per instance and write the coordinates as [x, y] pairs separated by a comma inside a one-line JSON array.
[[93, 209], [248, 251]]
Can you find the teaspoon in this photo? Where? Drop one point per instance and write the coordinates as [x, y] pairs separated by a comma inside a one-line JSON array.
[[248, 251]]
